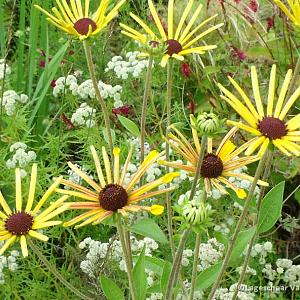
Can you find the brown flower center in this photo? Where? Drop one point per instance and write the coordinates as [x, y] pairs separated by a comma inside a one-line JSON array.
[[212, 166], [113, 197], [174, 47], [19, 223], [273, 128], [82, 26]]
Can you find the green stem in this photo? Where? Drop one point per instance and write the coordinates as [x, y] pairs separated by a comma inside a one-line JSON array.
[[176, 265], [252, 241], [294, 78], [258, 173], [169, 104], [144, 108], [126, 254], [195, 265], [91, 67], [54, 271]]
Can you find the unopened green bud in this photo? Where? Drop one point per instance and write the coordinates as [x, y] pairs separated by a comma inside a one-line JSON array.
[[154, 48], [196, 213], [208, 123]]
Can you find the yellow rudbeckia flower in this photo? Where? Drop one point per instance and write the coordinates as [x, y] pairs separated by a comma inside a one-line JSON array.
[[180, 41], [110, 193], [217, 165], [268, 125], [75, 19], [293, 13], [23, 223]]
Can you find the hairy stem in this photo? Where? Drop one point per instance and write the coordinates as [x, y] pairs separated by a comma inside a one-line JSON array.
[[258, 173], [55, 272], [127, 255], [144, 108], [195, 265], [91, 67], [252, 241], [176, 265], [168, 198]]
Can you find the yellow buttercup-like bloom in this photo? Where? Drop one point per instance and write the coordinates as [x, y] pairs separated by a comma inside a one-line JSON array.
[[181, 40], [75, 18], [293, 13], [23, 223], [217, 166], [110, 193], [268, 125]]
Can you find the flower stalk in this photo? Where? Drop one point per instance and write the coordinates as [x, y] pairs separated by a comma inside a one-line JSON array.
[[195, 265], [231, 242], [127, 256], [55, 272], [168, 105], [147, 90], [176, 265], [91, 67], [252, 241]]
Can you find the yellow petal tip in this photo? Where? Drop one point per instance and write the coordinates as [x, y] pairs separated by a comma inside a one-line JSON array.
[[157, 210]]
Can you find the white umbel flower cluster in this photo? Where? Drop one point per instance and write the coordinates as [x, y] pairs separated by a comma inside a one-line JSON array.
[[8, 263], [85, 89], [84, 116], [21, 157], [99, 253], [4, 69], [210, 253], [10, 100], [261, 251], [131, 65]]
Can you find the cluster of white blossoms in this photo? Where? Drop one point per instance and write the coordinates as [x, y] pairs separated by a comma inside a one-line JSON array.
[[131, 65], [99, 253], [4, 69], [85, 90], [20, 157], [8, 263], [210, 253], [284, 270], [84, 116], [261, 251], [244, 293], [10, 100], [224, 227]]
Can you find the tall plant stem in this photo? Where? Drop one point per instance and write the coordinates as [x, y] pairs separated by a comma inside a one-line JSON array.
[[176, 265], [258, 173], [144, 108], [169, 105], [294, 78], [252, 241], [127, 255], [91, 67], [55, 272], [195, 265]]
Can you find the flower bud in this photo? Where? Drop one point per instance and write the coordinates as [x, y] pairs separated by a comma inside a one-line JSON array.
[[208, 123]]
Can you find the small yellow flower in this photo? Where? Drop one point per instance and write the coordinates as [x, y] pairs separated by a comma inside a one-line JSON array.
[[216, 166], [21, 224], [75, 19], [111, 194], [268, 125], [179, 41], [293, 13]]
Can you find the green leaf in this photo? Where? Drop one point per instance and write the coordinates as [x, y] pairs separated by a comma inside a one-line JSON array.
[[148, 227], [113, 135], [154, 264], [110, 289], [207, 277], [165, 276], [211, 70], [270, 209], [241, 242], [130, 126], [139, 277], [45, 81]]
